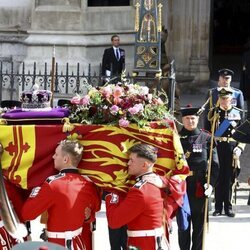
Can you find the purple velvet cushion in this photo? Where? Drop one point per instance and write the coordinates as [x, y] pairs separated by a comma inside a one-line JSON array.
[[29, 114], [45, 116]]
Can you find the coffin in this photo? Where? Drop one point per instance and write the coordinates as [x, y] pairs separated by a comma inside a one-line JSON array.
[[28, 150]]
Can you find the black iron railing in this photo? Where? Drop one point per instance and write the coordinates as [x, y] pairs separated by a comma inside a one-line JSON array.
[[66, 82]]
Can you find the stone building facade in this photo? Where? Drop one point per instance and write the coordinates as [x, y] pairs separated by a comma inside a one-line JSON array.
[[80, 30]]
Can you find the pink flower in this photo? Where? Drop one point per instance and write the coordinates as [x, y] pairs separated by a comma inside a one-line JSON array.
[[136, 109], [85, 100], [118, 91], [123, 122], [114, 109], [107, 91], [76, 100]]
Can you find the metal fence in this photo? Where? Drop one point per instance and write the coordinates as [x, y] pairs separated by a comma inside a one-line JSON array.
[[66, 82], [14, 80]]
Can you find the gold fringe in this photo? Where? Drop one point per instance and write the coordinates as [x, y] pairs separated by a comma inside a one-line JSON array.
[[67, 126], [3, 121]]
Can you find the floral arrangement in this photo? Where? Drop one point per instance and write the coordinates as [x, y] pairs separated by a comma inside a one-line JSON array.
[[119, 104]]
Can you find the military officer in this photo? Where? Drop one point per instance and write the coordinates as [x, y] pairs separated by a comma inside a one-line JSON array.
[[227, 118], [142, 208], [225, 78], [196, 146], [69, 198]]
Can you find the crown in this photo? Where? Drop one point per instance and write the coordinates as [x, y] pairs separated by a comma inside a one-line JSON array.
[[36, 98]]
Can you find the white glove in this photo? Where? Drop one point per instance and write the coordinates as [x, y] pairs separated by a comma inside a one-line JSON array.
[[208, 190], [237, 151]]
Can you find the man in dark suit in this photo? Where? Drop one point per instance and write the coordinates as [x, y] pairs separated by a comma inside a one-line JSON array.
[[225, 78], [113, 60]]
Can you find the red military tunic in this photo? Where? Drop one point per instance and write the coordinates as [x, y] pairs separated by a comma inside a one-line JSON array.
[[141, 210], [66, 197]]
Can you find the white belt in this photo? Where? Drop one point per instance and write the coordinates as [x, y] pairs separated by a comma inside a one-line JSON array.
[[1, 224], [146, 233], [64, 235]]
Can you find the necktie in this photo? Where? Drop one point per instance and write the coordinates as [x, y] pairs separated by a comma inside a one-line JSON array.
[[117, 54]]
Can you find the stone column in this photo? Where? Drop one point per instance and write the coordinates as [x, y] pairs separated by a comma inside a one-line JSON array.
[[200, 40], [188, 40], [179, 28]]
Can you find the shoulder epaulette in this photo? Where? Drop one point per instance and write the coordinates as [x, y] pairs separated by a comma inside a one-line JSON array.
[[55, 177], [140, 183]]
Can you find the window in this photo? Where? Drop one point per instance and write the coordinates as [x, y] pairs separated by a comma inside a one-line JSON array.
[[108, 3]]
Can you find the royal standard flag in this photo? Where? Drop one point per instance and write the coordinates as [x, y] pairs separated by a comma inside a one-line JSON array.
[[28, 150]]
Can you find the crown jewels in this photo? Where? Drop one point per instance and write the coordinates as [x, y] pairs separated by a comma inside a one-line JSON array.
[[36, 99]]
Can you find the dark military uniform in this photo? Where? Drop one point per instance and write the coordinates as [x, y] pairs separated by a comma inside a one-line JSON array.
[[225, 126], [237, 96], [196, 145]]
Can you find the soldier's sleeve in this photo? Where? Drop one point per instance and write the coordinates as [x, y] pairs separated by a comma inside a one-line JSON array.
[[241, 145], [40, 199], [119, 213], [92, 200]]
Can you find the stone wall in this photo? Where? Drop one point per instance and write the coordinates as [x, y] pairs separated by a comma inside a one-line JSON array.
[[14, 22], [30, 28]]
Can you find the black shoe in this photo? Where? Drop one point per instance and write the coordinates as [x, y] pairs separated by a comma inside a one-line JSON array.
[[230, 213], [216, 213]]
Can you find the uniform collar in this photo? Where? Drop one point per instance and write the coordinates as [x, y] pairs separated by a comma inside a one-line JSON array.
[[188, 132], [70, 170], [227, 109], [139, 177]]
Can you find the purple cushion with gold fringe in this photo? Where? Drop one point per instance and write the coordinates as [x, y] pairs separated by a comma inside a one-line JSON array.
[[35, 116]]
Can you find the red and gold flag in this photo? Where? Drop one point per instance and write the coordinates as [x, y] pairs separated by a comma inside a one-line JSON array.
[[28, 150]]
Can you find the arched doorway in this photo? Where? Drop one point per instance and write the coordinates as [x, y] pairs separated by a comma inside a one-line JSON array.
[[230, 34]]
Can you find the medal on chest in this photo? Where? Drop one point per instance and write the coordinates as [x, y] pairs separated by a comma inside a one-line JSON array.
[[197, 147], [234, 116]]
